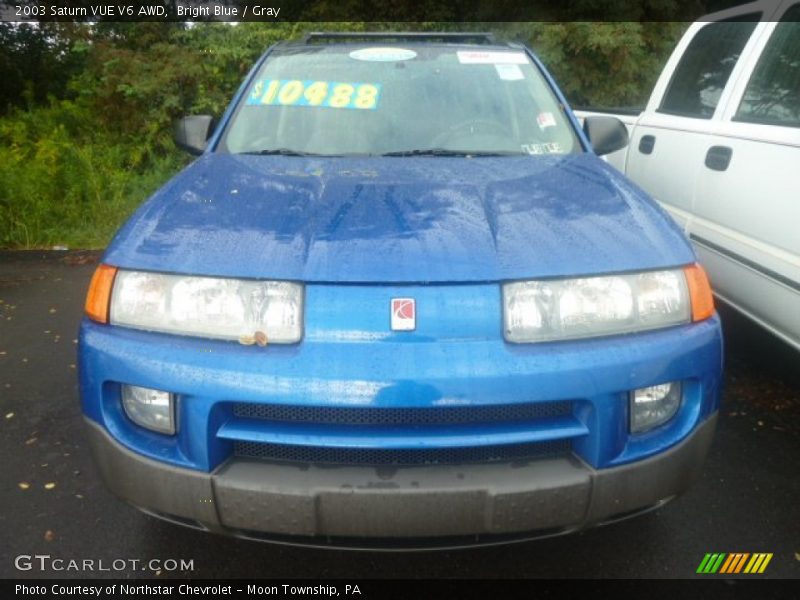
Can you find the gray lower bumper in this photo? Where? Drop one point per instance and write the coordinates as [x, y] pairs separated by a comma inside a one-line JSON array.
[[308, 503]]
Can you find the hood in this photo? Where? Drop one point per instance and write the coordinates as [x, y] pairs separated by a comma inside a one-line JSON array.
[[399, 220]]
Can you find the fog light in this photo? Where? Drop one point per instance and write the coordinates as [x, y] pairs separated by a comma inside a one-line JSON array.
[[653, 406], [151, 409]]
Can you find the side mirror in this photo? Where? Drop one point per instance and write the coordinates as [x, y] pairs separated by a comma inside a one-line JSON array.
[[607, 134], [192, 133]]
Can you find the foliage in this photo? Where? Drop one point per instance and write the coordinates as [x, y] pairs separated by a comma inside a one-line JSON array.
[[85, 124], [36, 62], [56, 191], [606, 64]]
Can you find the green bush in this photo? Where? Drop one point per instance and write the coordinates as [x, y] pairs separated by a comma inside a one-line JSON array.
[[61, 187], [73, 169]]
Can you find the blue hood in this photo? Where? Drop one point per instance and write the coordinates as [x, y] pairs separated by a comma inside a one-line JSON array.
[[420, 219]]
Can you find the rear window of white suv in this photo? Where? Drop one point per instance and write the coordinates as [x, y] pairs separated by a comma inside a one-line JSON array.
[[772, 96], [704, 68]]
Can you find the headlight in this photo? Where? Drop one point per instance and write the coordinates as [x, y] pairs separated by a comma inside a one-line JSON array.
[[538, 311], [229, 309]]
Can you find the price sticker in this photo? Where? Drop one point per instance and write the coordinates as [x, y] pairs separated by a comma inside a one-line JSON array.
[[326, 94]]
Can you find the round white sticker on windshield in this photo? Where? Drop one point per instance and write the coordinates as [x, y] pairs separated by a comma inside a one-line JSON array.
[[383, 54]]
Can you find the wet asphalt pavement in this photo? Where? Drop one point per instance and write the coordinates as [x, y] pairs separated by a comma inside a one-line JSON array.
[[51, 501]]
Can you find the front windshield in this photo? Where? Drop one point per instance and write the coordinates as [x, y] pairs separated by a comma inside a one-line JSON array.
[[413, 99]]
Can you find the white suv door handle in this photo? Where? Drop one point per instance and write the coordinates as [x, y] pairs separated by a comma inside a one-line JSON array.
[[719, 157], [647, 143]]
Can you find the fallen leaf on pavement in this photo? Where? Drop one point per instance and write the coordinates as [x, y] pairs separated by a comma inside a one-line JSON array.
[[10, 416], [24, 485], [82, 258], [49, 486], [49, 536]]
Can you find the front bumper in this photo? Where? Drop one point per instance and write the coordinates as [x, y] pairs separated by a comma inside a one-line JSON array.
[[457, 504], [451, 402]]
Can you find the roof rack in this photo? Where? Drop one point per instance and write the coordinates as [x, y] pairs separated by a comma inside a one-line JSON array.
[[409, 36]]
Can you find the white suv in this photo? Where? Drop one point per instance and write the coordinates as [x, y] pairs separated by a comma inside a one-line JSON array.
[[719, 146]]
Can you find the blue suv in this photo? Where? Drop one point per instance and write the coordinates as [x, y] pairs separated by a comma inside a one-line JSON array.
[[398, 299]]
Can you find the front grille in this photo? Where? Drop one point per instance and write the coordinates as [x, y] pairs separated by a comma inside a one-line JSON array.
[[371, 415], [403, 457]]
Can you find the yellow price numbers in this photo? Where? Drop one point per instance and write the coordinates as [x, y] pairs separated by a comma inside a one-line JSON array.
[[328, 94]]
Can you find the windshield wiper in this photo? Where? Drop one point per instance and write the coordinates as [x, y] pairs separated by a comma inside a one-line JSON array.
[[446, 152], [283, 152], [416, 152]]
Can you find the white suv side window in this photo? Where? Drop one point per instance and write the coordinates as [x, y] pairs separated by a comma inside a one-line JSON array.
[[772, 96], [704, 68]]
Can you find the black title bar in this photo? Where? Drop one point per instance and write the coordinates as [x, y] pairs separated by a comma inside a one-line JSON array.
[[486, 11]]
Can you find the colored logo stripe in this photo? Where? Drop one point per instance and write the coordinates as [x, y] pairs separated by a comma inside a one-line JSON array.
[[710, 563], [735, 562], [758, 563]]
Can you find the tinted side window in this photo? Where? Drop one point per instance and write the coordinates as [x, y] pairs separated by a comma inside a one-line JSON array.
[[773, 93], [704, 68]]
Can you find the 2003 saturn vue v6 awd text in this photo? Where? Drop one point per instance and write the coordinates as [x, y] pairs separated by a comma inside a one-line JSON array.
[[399, 300]]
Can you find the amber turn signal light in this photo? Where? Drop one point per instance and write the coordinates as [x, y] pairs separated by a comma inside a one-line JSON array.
[[699, 292], [99, 296]]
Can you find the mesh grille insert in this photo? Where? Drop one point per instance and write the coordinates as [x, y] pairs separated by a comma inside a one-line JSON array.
[[438, 415], [407, 457]]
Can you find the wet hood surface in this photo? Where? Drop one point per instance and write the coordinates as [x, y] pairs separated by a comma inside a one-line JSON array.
[[410, 220]]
